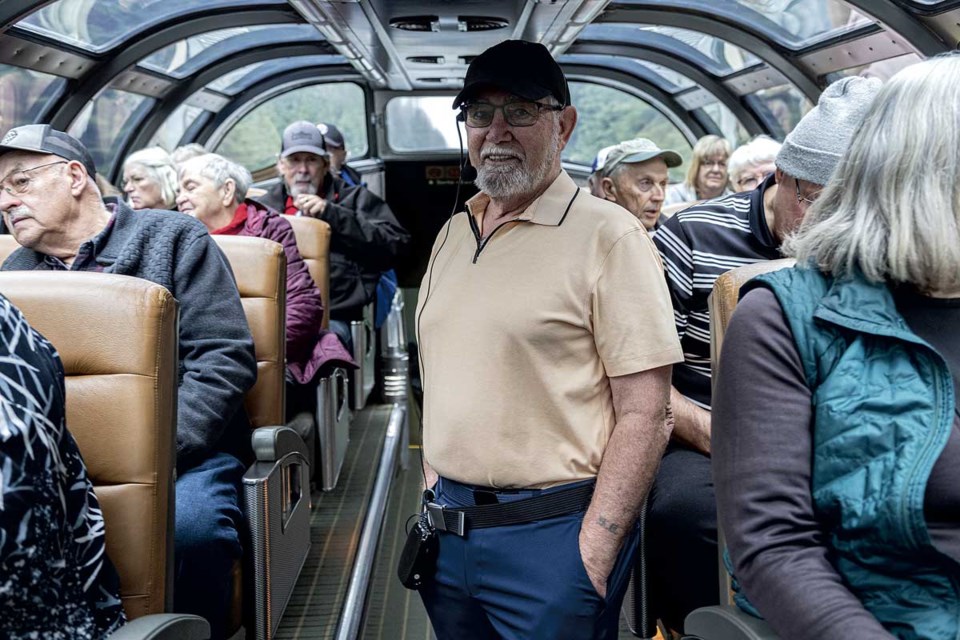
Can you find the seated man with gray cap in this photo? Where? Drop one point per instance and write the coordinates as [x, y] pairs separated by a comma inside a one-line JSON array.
[[635, 177], [365, 239], [697, 245], [53, 207]]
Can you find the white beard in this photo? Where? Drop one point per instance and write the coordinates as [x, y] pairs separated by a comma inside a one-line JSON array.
[[511, 181], [302, 189]]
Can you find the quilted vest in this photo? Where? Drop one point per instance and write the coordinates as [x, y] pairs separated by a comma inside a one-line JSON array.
[[883, 404]]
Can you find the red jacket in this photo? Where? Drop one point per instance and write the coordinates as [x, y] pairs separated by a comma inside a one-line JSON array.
[[309, 348]]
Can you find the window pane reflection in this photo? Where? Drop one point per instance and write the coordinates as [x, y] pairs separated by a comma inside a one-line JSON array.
[[24, 94], [106, 122]]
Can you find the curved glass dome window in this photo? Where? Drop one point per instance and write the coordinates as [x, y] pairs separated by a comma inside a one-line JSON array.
[[780, 107], [106, 122], [98, 25], [245, 77], [607, 116], [169, 134], [715, 55], [669, 81], [255, 139], [792, 23], [182, 58], [25, 94]]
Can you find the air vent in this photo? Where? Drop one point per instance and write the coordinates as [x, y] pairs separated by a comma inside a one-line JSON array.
[[481, 23], [433, 80], [416, 23], [426, 59]]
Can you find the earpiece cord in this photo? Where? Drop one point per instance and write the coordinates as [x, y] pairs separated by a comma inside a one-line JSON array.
[[423, 366]]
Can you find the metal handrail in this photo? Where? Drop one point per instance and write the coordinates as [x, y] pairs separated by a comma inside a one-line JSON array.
[[354, 604]]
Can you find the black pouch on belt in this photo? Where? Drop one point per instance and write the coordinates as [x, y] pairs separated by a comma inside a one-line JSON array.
[[418, 561]]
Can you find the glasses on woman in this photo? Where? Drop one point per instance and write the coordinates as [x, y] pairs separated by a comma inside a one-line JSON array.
[[522, 113], [17, 182], [751, 181]]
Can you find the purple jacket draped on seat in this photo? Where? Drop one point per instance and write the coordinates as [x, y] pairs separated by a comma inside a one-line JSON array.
[[309, 348]]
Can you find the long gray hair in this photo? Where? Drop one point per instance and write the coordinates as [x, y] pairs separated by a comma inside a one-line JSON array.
[[892, 208]]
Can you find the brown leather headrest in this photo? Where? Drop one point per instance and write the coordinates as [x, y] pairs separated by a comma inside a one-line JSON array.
[[313, 243]]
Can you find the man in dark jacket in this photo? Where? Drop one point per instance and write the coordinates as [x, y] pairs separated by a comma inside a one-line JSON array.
[[366, 237], [337, 148], [52, 205]]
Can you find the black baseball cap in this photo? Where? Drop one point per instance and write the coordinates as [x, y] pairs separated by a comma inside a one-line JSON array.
[[331, 135], [42, 138], [525, 69]]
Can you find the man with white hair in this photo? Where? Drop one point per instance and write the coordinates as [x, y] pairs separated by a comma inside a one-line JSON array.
[[545, 412], [697, 245], [54, 209], [366, 238]]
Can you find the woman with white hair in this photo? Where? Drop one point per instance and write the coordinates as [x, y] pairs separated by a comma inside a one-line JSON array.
[[707, 174], [150, 179], [836, 399], [750, 163]]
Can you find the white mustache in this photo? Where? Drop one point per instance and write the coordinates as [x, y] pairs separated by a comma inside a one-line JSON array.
[[22, 210]]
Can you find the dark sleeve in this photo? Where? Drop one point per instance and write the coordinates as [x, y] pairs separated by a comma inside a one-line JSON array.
[[304, 306], [365, 228], [762, 458], [217, 362]]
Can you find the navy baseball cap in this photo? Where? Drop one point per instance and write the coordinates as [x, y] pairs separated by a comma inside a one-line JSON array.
[[525, 69], [42, 138]]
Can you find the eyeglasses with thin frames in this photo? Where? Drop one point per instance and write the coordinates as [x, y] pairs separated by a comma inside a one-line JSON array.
[[521, 113], [803, 200], [17, 182]]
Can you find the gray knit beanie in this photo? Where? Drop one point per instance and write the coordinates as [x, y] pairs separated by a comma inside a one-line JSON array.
[[815, 146]]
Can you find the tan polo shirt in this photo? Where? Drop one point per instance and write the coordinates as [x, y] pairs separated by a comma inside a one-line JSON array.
[[519, 335]]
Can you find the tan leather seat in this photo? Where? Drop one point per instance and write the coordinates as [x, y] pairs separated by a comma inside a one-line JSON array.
[[117, 337], [260, 268], [313, 242], [7, 246], [725, 295]]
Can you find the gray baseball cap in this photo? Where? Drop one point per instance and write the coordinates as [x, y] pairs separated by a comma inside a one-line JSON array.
[[303, 137], [639, 150], [42, 138]]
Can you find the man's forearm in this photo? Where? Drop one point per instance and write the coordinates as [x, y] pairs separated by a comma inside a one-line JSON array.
[[692, 426], [629, 465]]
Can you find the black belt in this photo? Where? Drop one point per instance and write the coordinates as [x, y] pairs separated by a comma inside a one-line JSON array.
[[556, 503]]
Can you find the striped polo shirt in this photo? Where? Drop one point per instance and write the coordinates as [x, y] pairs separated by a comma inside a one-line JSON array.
[[697, 245]]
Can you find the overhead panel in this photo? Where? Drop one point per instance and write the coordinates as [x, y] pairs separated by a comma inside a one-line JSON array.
[[141, 83], [428, 45], [862, 51], [752, 80], [207, 100]]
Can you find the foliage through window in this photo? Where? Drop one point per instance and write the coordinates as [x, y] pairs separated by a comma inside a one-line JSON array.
[[24, 94], [608, 116], [255, 140], [106, 122]]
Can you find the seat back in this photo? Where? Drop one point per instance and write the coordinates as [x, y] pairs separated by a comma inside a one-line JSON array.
[[260, 268], [313, 242], [117, 338], [7, 246], [725, 295]]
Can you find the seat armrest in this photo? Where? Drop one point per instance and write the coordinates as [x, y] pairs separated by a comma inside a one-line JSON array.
[[726, 623], [273, 443], [164, 626]]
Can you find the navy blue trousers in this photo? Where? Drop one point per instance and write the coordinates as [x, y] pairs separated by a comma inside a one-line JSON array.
[[207, 539], [523, 581]]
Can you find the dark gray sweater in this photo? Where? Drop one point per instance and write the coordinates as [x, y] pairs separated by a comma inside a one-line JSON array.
[[217, 362], [762, 454]]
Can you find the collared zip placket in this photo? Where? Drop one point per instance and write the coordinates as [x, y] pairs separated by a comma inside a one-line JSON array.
[[481, 243]]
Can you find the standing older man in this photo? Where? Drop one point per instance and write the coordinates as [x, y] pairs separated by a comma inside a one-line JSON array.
[[635, 177], [544, 405], [365, 236], [53, 207], [697, 245]]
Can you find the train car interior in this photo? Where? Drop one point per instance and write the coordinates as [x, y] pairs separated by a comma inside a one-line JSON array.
[[327, 503]]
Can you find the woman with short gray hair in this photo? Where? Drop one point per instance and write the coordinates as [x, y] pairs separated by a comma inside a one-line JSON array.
[[150, 179], [835, 401]]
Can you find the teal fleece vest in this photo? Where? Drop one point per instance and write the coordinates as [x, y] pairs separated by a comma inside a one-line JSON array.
[[883, 409]]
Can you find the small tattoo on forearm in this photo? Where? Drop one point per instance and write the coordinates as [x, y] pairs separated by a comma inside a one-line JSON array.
[[612, 527]]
